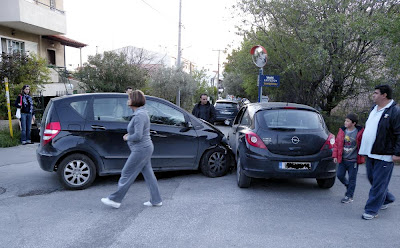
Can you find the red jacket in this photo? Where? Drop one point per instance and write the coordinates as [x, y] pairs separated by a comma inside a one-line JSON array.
[[339, 143]]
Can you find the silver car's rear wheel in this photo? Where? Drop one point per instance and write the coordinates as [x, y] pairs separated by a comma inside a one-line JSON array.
[[77, 171]]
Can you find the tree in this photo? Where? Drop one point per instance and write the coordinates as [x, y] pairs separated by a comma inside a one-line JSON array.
[[164, 83], [324, 50], [112, 72], [233, 84], [21, 69], [203, 87]]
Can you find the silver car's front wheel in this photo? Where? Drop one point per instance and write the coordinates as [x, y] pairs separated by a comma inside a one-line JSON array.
[[77, 171]]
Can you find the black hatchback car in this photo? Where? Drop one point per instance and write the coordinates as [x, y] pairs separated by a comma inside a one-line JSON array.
[[81, 137], [282, 140], [226, 110]]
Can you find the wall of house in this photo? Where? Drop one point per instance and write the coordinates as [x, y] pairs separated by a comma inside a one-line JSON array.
[[31, 40], [34, 43]]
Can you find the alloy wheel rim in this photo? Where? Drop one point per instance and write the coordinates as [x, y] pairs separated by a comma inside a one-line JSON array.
[[77, 172], [217, 161]]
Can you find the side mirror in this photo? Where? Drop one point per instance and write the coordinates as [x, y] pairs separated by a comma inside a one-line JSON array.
[[187, 126], [228, 122]]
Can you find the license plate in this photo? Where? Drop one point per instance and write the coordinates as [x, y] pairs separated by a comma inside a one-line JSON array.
[[295, 165], [226, 112]]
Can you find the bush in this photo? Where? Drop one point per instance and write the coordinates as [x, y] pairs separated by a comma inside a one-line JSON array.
[[5, 138]]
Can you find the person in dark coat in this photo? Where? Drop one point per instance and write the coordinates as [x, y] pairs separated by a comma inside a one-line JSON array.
[[25, 102], [204, 110], [381, 145]]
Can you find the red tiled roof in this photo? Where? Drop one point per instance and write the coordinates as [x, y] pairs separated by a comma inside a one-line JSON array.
[[65, 41]]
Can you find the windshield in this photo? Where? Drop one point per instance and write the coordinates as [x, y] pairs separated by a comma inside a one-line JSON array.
[[290, 119]]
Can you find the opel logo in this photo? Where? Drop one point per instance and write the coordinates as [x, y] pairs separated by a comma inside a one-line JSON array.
[[295, 140]]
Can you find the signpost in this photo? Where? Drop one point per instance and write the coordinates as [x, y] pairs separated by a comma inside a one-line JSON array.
[[8, 106], [259, 56]]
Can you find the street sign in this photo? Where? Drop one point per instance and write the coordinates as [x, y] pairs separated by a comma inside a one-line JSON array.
[[268, 81]]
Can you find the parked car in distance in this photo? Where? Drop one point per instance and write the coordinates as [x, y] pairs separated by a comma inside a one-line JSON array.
[[282, 140], [226, 110], [81, 137]]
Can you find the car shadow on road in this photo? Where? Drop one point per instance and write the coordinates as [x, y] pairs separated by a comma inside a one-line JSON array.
[[279, 184], [110, 180]]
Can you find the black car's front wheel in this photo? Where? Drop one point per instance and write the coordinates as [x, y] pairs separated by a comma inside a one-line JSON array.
[[243, 181], [76, 171], [326, 183], [215, 163]]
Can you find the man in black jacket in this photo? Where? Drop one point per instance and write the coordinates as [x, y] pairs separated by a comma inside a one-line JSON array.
[[381, 145], [204, 109]]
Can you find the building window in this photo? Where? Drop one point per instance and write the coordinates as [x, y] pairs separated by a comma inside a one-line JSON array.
[[51, 57], [12, 46]]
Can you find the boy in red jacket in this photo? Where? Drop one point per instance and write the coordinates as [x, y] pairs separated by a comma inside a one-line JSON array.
[[345, 152]]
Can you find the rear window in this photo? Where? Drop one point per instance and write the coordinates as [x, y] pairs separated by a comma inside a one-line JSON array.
[[290, 119], [226, 105]]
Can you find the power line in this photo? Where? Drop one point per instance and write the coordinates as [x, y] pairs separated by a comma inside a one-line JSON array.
[[151, 7]]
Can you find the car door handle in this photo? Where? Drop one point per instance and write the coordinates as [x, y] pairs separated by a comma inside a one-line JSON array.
[[153, 132], [98, 127]]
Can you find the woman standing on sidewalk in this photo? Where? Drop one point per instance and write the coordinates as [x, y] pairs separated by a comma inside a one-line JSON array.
[[25, 102], [139, 160]]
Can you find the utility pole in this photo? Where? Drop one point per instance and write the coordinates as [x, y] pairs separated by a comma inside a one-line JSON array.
[[218, 50], [178, 60]]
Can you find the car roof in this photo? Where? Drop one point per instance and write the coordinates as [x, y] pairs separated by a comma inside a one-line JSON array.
[[83, 95], [226, 101], [277, 105]]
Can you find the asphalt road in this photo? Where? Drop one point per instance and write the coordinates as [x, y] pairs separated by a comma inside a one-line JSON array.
[[35, 211]]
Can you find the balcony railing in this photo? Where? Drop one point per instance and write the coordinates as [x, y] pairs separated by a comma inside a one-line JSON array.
[[50, 6]]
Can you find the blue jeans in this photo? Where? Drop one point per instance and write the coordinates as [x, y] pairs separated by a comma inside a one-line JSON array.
[[26, 124], [350, 183], [379, 173]]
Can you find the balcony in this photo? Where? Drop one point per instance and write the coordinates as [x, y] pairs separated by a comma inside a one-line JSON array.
[[32, 17]]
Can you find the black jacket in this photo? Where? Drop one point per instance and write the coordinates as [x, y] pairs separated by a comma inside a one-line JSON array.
[[209, 112], [387, 140], [27, 104]]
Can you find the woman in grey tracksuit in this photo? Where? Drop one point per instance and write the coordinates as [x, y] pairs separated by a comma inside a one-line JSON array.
[[139, 161]]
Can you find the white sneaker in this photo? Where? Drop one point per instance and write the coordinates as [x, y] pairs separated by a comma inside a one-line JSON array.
[[110, 203], [148, 204]]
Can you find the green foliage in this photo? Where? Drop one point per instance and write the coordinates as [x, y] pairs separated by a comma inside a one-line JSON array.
[[164, 83], [111, 72], [21, 69], [325, 51], [5, 138], [203, 87]]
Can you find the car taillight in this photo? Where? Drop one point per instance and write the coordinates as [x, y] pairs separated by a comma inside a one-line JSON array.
[[51, 131], [329, 142], [254, 140]]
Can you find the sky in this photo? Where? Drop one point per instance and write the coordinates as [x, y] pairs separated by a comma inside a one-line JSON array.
[[106, 25]]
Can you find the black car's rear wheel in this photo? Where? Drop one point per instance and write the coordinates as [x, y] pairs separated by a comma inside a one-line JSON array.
[[326, 183], [243, 181], [77, 171], [215, 163]]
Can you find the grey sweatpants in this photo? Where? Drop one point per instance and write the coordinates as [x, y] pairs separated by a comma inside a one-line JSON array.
[[138, 161]]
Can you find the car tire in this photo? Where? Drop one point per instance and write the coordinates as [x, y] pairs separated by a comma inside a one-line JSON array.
[[326, 183], [215, 163], [76, 171], [243, 181]]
